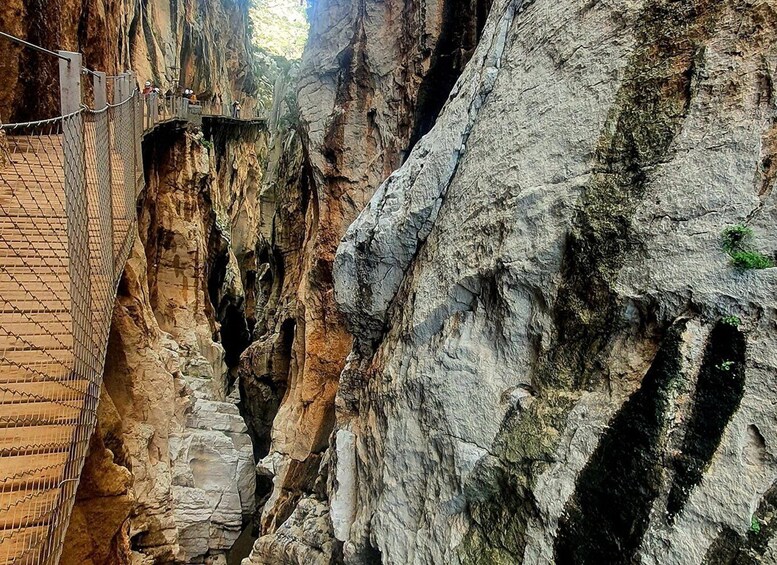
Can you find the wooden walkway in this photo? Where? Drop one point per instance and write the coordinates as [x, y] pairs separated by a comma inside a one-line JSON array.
[[40, 401], [50, 363], [44, 406]]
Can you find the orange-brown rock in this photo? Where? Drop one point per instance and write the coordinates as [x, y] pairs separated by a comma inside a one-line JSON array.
[[136, 410], [373, 78], [164, 42], [164, 412], [98, 533]]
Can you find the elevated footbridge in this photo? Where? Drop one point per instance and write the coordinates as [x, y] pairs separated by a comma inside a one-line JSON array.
[[68, 193]]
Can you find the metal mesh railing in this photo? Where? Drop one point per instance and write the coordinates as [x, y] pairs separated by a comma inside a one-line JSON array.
[[68, 193], [159, 108], [68, 188]]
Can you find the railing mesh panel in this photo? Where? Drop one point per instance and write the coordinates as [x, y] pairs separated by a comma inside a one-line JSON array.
[[159, 108], [68, 193], [68, 189]]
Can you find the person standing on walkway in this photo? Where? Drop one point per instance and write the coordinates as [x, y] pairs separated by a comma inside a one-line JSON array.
[[148, 89], [236, 110]]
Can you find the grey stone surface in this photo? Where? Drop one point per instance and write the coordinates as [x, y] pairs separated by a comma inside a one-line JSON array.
[[455, 277], [305, 538], [213, 478]]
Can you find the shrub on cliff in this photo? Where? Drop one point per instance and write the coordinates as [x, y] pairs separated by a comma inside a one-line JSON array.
[[737, 242], [747, 260]]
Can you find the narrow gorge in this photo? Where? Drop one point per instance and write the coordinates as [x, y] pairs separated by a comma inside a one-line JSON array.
[[470, 282]]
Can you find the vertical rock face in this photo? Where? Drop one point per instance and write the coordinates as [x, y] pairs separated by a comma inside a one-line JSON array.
[[186, 224], [200, 44], [283, 201], [373, 78], [555, 361], [99, 530], [175, 435], [205, 44], [529, 347], [176, 225], [138, 404]]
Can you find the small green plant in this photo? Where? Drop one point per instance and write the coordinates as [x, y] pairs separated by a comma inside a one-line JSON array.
[[207, 144], [733, 321], [737, 238], [755, 525], [737, 242], [747, 260], [725, 366]]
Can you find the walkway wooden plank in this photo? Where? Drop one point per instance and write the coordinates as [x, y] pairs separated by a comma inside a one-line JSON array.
[[43, 467], [56, 391], [39, 439], [34, 339], [42, 357], [27, 508], [42, 413], [48, 372], [27, 541]]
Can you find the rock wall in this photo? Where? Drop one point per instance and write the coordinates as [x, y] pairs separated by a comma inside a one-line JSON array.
[[555, 360], [138, 403], [199, 44], [531, 315], [197, 193], [283, 202], [172, 461], [372, 80]]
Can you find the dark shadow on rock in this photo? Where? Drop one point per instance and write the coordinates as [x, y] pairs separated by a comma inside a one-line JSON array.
[[719, 390], [608, 514]]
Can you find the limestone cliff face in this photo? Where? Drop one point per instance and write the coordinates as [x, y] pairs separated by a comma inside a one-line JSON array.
[[372, 81], [196, 194], [179, 469], [530, 345], [137, 403], [200, 44], [555, 359]]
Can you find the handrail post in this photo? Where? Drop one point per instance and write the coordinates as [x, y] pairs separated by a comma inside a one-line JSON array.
[[75, 197], [77, 210], [124, 88], [154, 108], [137, 133], [118, 118], [103, 163], [126, 151], [100, 90]]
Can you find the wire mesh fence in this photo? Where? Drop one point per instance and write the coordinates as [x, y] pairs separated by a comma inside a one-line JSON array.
[[68, 193], [68, 188], [159, 108]]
